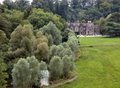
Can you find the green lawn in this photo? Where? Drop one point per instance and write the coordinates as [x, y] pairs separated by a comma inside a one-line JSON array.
[[98, 41], [98, 67]]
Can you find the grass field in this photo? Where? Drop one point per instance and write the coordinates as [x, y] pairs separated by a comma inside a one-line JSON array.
[[98, 67]]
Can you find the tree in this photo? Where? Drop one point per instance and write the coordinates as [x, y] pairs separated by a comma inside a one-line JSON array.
[[74, 4], [73, 43], [105, 8], [41, 47], [110, 23], [21, 74], [56, 68], [67, 65], [5, 25], [3, 74], [60, 51], [22, 4], [102, 22], [9, 3], [43, 66], [115, 5], [57, 6], [34, 70], [51, 29], [92, 14], [3, 41], [14, 18], [44, 4], [21, 41], [63, 9], [39, 18]]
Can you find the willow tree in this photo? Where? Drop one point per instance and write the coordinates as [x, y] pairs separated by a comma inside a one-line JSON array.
[[56, 68], [21, 41], [41, 47], [21, 74], [50, 30]]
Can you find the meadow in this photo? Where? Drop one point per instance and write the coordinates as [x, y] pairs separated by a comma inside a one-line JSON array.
[[99, 65]]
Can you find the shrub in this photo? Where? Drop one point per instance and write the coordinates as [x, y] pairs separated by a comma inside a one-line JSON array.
[[3, 41], [19, 34], [55, 50], [38, 18], [41, 47], [56, 68], [51, 30], [34, 69], [60, 50], [43, 66], [73, 43], [67, 65], [22, 38], [21, 74], [25, 73], [3, 74]]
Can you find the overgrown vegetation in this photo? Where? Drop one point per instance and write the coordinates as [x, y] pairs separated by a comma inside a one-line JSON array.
[[33, 37], [31, 42]]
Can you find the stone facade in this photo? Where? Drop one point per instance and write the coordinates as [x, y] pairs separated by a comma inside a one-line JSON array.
[[84, 28]]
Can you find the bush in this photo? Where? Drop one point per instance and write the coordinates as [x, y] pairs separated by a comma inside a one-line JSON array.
[[39, 18], [21, 74], [3, 74], [73, 43], [19, 34], [34, 69], [25, 73], [22, 38], [56, 68], [67, 65], [3, 41], [60, 50], [56, 51], [51, 29], [43, 66], [41, 47]]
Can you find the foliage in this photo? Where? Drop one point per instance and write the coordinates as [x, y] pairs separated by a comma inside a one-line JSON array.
[[22, 4], [21, 74], [5, 25], [3, 74], [43, 65], [3, 41], [9, 4], [22, 38], [88, 9], [110, 23], [34, 69], [26, 69], [73, 43], [67, 65], [56, 68], [61, 51], [44, 4], [41, 47], [39, 18], [15, 17], [51, 30]]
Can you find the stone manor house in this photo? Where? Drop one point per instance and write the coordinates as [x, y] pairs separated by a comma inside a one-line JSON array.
[[88, 28]]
